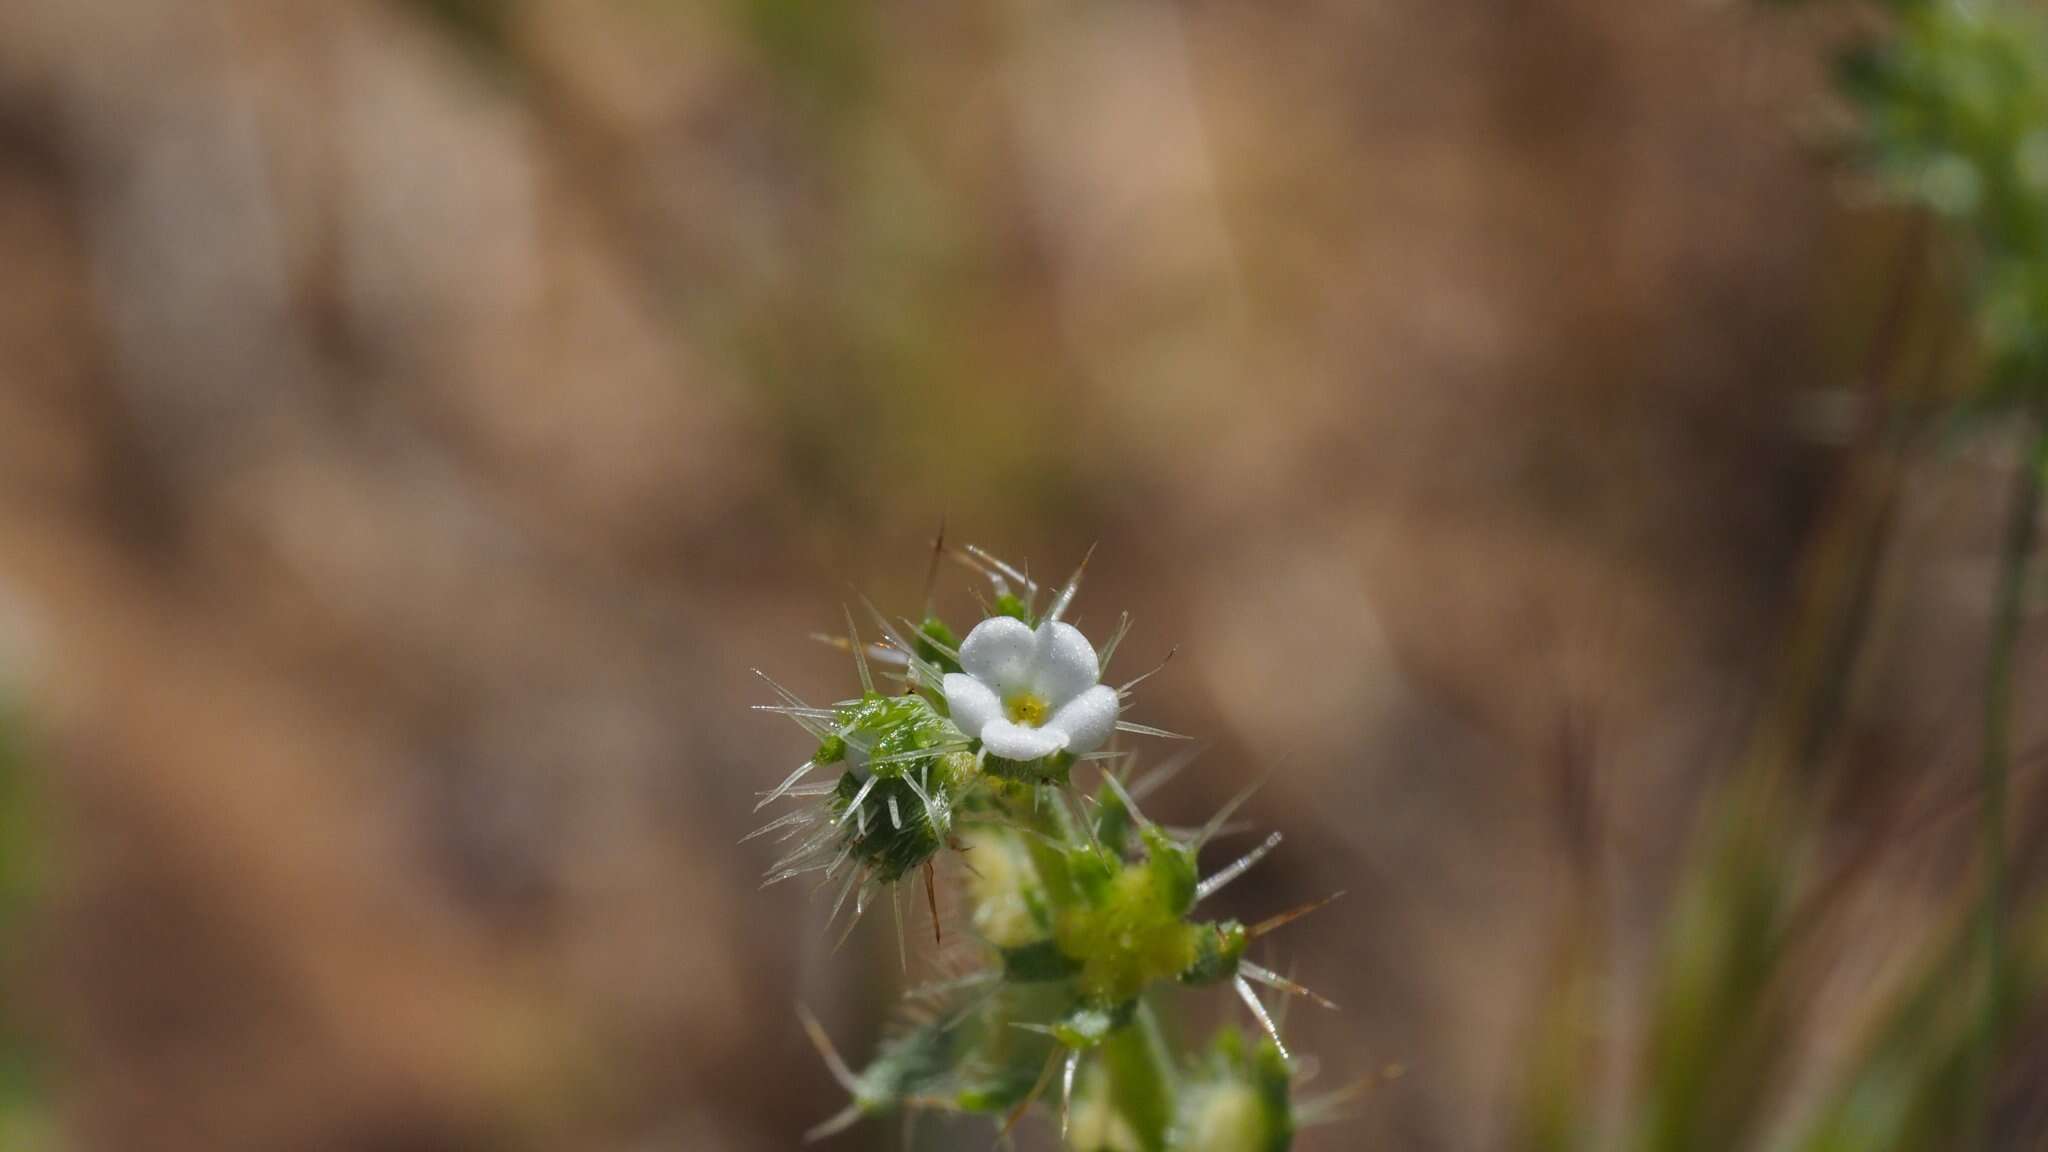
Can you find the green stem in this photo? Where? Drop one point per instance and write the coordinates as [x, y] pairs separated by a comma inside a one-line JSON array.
[[2023, 516], [1142, 1076]]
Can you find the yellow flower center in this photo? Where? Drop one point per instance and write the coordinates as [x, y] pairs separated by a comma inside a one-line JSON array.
[[1027, 709]]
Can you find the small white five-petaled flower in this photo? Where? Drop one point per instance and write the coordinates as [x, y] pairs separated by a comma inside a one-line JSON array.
[[1027, 694]]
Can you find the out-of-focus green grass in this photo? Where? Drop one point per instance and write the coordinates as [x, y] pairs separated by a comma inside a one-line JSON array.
[[1952, 100], [1721, 1025], [24, 1115]]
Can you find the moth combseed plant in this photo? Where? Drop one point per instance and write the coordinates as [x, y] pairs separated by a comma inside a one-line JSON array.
[[996, 754]]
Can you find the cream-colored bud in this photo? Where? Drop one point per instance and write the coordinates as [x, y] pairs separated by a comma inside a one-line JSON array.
[[1003, 885], [1095, 1125], [1224, 1117]]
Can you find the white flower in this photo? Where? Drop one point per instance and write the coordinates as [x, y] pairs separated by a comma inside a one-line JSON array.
[[1027, 694]]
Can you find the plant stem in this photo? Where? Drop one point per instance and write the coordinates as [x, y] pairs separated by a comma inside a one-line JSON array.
[[2008, 611], [1142, 1076]]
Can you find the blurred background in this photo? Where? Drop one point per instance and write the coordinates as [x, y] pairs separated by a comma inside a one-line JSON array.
[[417, 417]]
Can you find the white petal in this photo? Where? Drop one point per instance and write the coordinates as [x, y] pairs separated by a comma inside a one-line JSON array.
[[1086, 720], [1065, 663], [974, 705], [999, 652], [1016, 742]]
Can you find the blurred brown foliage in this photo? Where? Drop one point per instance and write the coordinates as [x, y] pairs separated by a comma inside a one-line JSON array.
[[415, 418]]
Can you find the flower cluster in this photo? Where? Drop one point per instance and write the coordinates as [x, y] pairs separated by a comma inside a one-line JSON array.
[[1083, 908]]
